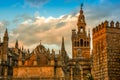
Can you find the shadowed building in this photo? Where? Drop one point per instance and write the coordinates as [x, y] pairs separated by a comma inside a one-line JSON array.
[[106, 51]]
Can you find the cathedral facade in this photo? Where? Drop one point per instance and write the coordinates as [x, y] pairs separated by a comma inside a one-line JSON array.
[[44, 64]]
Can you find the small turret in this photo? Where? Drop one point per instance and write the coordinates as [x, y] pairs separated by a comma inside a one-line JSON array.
[[20, 59], [22, 48], [6, 38], [59, 52], [52, 58], [28, 51], [63, 51], [6, 33], [48, 51], [62, 46], [99, 27], [5, 41], [89, 33], [105, 24], [111, 24], [53, 52], [117, 24], [102, 25]]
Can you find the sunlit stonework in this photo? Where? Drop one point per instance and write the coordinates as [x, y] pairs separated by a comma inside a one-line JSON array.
[[44, 64], [106, 51]]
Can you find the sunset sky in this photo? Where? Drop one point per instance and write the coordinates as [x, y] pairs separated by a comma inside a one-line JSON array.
[[30, 21]]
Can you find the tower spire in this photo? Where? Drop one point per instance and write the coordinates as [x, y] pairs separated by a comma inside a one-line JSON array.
[[81, 21], [6, 33], [16, 44], [6, 38], [62, 46]]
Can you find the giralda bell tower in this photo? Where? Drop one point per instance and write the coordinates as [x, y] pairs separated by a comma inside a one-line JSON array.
[[80, 39]]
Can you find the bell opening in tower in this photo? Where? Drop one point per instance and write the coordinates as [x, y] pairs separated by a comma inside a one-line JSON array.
[[81, 29], [81, 42]]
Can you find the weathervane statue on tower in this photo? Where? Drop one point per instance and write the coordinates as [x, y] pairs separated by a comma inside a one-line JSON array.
[[81, 5]]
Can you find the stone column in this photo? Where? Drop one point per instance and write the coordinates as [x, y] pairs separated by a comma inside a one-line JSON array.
[[81, 74], [5, 72], [71, 73], [0, 70], [19, 63], [35, 63]]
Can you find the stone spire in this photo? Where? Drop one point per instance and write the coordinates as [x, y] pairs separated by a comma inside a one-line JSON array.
[[81, 21], [16, 44], [6, 36], [63, 51], [62, 46], [6, 33], [28, 51], [5, 41], [22, 48]]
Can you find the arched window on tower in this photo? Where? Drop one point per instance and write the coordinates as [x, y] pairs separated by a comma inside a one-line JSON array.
[[81, 42], [81, 29], [77, 43], [85, 43]]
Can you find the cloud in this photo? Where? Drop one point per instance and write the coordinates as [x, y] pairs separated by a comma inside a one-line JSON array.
[[2, 28], [3, 25], [105, 10], [36, 3], [21, 17], [50, 30]]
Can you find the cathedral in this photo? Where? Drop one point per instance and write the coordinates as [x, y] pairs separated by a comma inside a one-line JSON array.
[[45, 64]]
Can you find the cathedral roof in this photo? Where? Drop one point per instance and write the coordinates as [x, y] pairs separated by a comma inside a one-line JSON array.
[[41, 55]]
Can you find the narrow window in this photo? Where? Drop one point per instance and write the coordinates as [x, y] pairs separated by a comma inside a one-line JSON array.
[[81, 42], [78, 44], [85, 43]]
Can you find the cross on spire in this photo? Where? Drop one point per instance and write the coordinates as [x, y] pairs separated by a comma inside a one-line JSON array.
[[40, 42]]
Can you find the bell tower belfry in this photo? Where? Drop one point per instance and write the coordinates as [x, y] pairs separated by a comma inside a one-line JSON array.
[[81, 22], [80, 39]]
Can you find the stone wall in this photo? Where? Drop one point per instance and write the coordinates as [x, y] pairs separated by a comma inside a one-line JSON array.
[[33, 71], [113, 49], [106, 51]]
